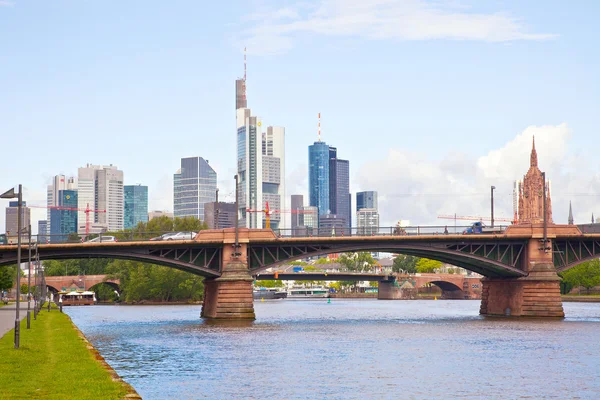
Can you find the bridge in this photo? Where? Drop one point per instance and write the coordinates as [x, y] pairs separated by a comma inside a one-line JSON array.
[[520, 264], [78, 282]]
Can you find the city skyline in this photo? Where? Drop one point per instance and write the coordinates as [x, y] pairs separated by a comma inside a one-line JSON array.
[[463, 108]]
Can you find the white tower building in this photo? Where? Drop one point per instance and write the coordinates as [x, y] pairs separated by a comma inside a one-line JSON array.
[[101, 188], [59, 182]]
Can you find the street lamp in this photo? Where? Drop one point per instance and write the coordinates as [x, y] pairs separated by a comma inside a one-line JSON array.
[[19, 196], [29, 278], [493, 187]]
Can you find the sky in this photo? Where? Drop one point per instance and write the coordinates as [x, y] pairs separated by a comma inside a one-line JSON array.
[[431, 101]]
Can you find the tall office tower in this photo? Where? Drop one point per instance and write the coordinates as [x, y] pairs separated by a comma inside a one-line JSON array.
[[240, 89], [100, 188], [42, 231], [339, 187], [296, 204], [250, 168], [318, 176], [367, 199], [367, 221], [273, 173], [194, 184], [63, 222], [59, 182], [12, 213], [135, 205], [308, 221], [220, 216]]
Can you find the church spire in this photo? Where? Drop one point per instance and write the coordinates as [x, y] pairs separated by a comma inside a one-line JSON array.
[[533, 160], [570, 214]]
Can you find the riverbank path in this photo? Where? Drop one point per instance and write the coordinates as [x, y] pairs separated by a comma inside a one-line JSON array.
[[7, 316]]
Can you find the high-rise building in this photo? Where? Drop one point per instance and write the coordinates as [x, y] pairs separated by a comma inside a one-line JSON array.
[[273, 173], [135, 205], [367, 199], [318, 177], [100, 188], [249, 167], [220, 216], [63, 220], [194, 184], [308, 221], [367, 221], [11, 221], [333, 224], [42, 231], [240, 94], [339, 186], [59, 182], [297, 203]]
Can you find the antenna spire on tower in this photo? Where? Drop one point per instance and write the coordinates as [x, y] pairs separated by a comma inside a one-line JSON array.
[[244, 64], [319, 128]]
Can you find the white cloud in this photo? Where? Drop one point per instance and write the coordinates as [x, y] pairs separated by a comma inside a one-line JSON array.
[[379, 19], [412, 186]]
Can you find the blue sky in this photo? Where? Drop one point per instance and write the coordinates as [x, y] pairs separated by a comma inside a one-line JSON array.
[[431, 101]]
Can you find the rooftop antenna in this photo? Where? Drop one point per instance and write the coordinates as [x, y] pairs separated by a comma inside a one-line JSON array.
[[244, 73], [319, 127]]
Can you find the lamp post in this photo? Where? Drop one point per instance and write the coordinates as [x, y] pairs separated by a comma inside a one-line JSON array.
[[29, 278], [11, 195], [492, 199]]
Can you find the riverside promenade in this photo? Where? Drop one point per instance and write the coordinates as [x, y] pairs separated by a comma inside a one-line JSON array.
[[7, 316]]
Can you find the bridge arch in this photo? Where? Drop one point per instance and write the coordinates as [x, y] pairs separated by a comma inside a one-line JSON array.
[[113, 285], [119, 255], [473, 261]]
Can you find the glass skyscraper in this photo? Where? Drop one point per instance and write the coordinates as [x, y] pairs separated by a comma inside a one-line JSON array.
[[366, 199], [318, 177], [194, 184], [64, 221], [135, 206]]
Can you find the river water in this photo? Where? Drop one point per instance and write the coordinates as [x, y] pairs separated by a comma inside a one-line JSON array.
[[349, 349]]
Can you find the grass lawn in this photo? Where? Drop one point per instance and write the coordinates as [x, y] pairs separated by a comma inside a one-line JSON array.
[[53, 362]]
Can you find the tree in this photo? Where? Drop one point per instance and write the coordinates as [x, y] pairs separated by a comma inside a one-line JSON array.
[[323, 260], [357, 262], [269, 283], [405, 263], [586, 274], [425, 265], [7, 276]]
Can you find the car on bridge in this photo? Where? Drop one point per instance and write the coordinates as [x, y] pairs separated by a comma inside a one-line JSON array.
[[102, 239], [176, 236]]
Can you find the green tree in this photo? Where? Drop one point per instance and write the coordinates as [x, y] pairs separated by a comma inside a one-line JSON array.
[[405, 263], [357, 262], [586, 274], [425, 265], [323, 260], [269, 283], [7, 276]]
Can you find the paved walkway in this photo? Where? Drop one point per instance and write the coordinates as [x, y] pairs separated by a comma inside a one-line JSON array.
[[7, 316]]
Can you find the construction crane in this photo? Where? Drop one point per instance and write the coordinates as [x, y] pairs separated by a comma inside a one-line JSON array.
[[87, 210], [473, 218], [268, 212]]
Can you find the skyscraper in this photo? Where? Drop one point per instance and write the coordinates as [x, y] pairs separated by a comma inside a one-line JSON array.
[[43, 231], [11, 221], [367, 221], [339, 187], [273, 172], [220, 216], [194, 184], [59, 182], [135, 205], [249, 167], [367, 199], [63, 222], [318, 176], [297, 203], [100, 188]]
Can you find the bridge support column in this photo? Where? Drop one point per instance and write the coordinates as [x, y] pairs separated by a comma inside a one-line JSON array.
[[390, 290], [230, 295], [536, 295]]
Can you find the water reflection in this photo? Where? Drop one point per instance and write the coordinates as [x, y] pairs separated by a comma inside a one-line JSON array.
[[348, 350]]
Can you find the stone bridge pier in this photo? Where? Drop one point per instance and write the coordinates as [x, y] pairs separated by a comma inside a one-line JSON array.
[[230, 295], [536, 295]]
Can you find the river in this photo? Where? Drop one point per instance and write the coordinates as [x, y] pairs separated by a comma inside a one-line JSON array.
[[348, 349]]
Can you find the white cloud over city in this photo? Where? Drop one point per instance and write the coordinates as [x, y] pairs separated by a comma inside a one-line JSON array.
[[273, 31], [414, 187]]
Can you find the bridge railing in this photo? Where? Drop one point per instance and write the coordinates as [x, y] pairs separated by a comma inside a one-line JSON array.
[[303, 231]]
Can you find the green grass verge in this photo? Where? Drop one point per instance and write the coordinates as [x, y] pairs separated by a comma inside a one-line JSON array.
[[53, 362]]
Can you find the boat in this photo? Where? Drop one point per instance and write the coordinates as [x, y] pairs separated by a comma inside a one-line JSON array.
[[307, 293], [268, 293], [77, 298]]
